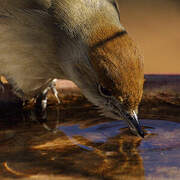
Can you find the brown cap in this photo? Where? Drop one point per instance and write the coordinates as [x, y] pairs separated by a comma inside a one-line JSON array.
[[119, 66]]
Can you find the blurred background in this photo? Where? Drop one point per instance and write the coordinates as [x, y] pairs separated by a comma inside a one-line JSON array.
[[155, 25]]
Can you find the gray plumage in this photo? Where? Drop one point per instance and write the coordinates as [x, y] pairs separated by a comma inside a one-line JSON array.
[[27, 49]]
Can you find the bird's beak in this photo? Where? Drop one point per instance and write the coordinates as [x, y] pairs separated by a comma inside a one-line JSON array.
[[134, 124]]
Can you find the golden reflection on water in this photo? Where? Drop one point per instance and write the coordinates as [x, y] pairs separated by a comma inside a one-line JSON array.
[[85, 146]]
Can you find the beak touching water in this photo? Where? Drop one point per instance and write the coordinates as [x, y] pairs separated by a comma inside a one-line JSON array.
[[134, 124]]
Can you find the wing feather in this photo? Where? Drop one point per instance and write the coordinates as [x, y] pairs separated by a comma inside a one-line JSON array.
[[28, 48]]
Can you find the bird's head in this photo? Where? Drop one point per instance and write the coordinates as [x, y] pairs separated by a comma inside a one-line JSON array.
[[114, 79], [110, 69]]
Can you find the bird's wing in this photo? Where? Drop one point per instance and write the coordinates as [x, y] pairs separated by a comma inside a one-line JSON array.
[[28, 48], [25, 4]]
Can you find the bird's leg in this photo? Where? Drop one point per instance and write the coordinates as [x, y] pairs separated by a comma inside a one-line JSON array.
[[54, 91], [40, 106]]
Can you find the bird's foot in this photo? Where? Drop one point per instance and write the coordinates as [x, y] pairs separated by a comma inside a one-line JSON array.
[[41, 106], [54, 90]]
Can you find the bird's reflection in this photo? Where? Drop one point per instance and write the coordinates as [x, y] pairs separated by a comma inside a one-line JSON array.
[[115, 150], [86, 146]]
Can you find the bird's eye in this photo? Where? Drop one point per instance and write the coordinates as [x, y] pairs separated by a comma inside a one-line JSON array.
[[104, 92]]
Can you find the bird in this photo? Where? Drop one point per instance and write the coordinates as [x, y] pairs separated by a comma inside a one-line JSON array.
[[78, 40]]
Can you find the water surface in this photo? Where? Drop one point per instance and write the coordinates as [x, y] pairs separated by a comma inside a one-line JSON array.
[[80, 144]]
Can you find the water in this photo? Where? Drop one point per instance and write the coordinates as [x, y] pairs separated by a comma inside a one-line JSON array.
[[161, 152], [83, 145]]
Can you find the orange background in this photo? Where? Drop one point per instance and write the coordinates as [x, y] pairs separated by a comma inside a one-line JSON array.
[[155, 25]]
